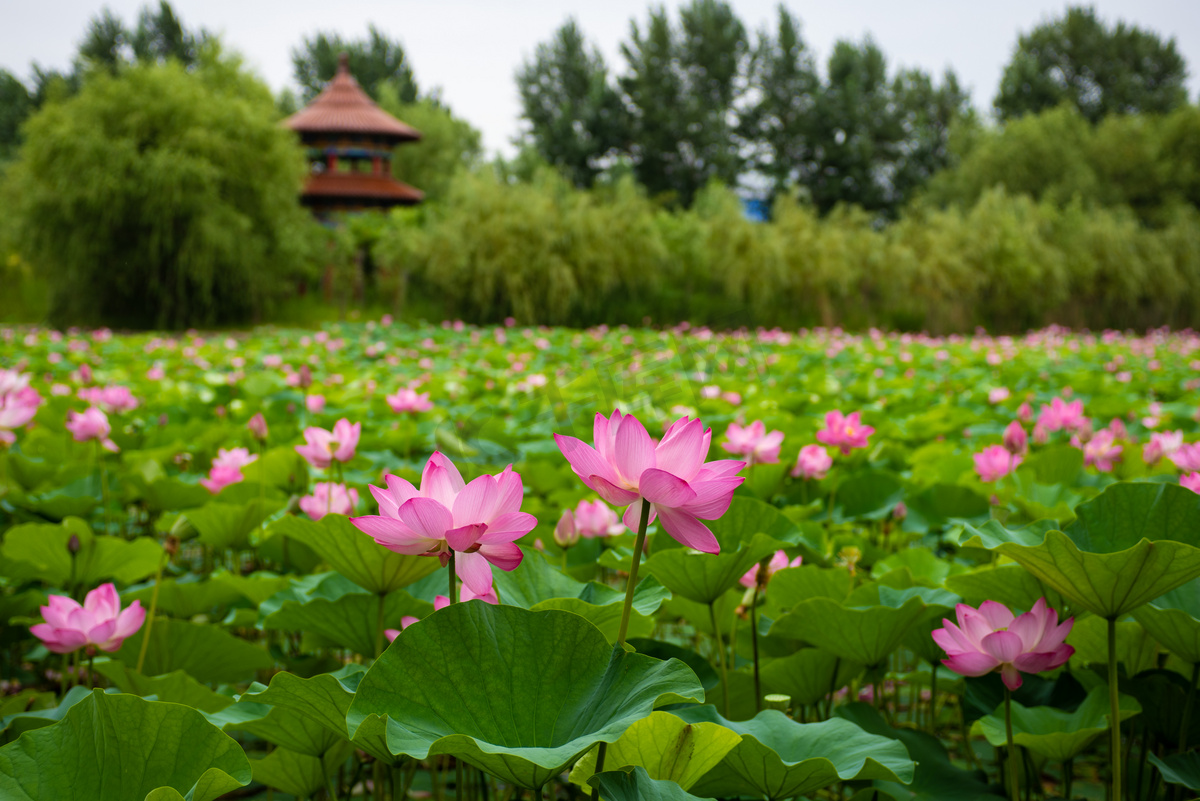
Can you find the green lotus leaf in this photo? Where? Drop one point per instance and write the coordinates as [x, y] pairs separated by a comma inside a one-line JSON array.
[[864, 635], [779, 758], [283, 726], [38, 551], [1163, 695], [205, 652], [176, 687], [117, 747], [324, 698], [938, 505], [299, 774], [665, 650], [792, 585], [1056, 734], [1174, 621], [808, 675], [922, 564], [636, 785], [519, 694], [228, 525], [349, 621], [666, 747], [1180, 769], [1127, 546], [170, 494], [535, 581], [1136, 649], [868, 495], [1011, 585], [355, 555], [606, 618], [17, 723]]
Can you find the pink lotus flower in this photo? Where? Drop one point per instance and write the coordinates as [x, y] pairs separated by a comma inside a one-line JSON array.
[[1099, 451], [257, 425], [995, 462], [441, 602], [990, 638], [1162, 443], [753, 442], [1186, 456], [845, 432], [110, 399], [323, 447], [314, 403], [479, 521], [1015, 438], [18, 404], [596, 519], [99, 623], [227, 469], [322, 502], [1025, 411], [1062, 415], [410, 401], [627, 467], [998, 395], [778, 562], [91, 424], [1191, 481], [813, 463]]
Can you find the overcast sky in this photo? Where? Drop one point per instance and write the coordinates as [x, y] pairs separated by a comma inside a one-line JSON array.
[[471, 48]]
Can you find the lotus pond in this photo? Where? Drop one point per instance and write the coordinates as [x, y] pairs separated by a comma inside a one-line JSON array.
[[379, 561]]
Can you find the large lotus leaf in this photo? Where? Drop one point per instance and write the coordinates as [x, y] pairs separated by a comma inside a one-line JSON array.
[[636, 785], [1127, 546], [350, 621], [1180, 769], [667, 747], [664, 650], [176, 687], [923, 566], [355, 555], [299, 774], [1136, 649], [228, 525], [517, 693], [535, 581], [808, 675], [283, 726], [779, 758], [606, 618], [1163, 696], [1174, 620], [169, 494], [17, 723], [191, 595], [865, 635], [792, 585], [39, 551], [1056, 734], [1011, 585], [118, 747], [71, 499], [324, 698], [869, 495], [938, 505], [205, 652]]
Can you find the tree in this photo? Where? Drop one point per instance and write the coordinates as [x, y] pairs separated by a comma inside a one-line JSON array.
[[159, 196], [683, 86], [447, 145], [373, 62], [160, 36], [15, 105], [1101, 70], [104, 43], [575, 116]]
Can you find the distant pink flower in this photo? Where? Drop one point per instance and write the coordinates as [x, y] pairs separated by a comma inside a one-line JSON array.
[[156, 373], [314, 403], [778, 562], [998, 395], [1099, 451], [1025, 412], [753, 442], [99, 623], [110, 399], [323, 447], [91, 424], [566, 534], [1015, 438], [991, 638], [1191, 481], [257, 425], [18, 404], [1162, 443], [596, 519], [995, 462], [626, 467], [813, 463], [1186, 456], [410, 401], [845, 432], [1061, 415], [321, 503], [227, 469], [479, 521]]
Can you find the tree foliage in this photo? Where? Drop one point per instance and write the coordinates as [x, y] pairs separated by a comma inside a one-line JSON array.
[[159, 196], [373, 61], [1097, 68], [447, 144]]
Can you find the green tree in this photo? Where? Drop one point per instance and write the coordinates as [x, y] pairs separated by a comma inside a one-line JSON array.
[[15, 105], [448, 144], [1099, 69], [104, 43], [374, 61], [575, 117], [160, 35], [159, 197], [683, 85]]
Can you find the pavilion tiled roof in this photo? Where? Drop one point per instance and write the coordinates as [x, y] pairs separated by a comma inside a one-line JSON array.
[[351, 185], [344, 108]]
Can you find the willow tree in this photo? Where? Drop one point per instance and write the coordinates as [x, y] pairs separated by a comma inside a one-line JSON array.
[[160, 196]]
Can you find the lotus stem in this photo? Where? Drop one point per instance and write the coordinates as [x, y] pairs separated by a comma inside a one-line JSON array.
[[1185, 724], [754, 635], [1114, 710], [103, 482], [1068, 772], [153, 608], [379, 624], [453, 580], [712, 613], [1014, 782]]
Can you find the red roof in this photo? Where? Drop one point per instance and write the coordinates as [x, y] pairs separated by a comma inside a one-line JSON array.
[[345, 108], [350, 185]]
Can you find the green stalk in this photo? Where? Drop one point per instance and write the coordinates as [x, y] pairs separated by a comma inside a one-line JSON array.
[[103, 481], [754, 640], [712, 613], [1187, 709], [453, 581], [1114, 709], [638, 545], [1010, 752], [379, 626], [1068, 772], [153, 608]]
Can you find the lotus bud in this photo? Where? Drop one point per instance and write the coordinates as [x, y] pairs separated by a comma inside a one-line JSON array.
[[566, 533]]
